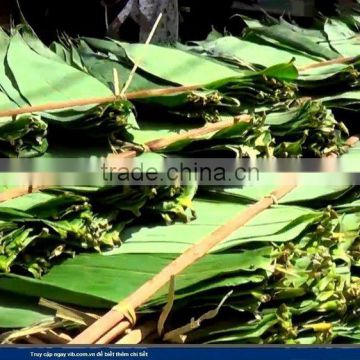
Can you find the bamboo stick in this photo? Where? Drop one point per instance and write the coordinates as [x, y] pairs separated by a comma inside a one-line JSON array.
[[114, 332], [137, 63], [140, 94], [159, 144], [190, 256], [341, 60]]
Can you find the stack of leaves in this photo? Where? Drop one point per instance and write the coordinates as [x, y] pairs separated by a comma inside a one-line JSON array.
[[38, 229], [229, 89], [24, 136], [306, 130], [257, 73], [31, 74], [309, 130], [291, 286], [263, 46], [294, 280], [269, 42]]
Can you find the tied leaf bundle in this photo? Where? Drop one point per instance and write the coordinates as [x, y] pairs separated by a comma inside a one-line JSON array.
[[306, 130], [31, 74], [21, 136], [245, 139], [309, 130], [24, 136], [37, 230], [228, 89]]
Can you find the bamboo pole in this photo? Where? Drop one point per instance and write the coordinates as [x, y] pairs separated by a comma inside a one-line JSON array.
[[341, 60], [113, 317], [51, 337], [140, 94], [114, 332], [159, 144]]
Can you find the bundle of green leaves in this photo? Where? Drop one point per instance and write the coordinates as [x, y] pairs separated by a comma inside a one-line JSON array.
[[294, 280], [38, 229], [31, 74]]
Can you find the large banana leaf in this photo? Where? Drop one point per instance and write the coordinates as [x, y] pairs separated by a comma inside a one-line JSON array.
[[247, 52], [291, 37], [20, 311], [49, 81], [248, 87]]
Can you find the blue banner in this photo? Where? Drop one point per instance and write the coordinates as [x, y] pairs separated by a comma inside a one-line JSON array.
[[181, 353]]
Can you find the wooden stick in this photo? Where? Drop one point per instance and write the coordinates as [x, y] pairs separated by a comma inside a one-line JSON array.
[[137, 63], [341, 60], [140, 94], [159, 144], [116, 82], [114, 332], [190, 256]]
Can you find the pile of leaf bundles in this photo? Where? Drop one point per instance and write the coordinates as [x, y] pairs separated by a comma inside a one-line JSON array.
[[31, 74], [267, 43], [290, 281], [21, 136], [307, 130], [272, 42], [292, 286], [295, 280], [227, 89], [39, 229]]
